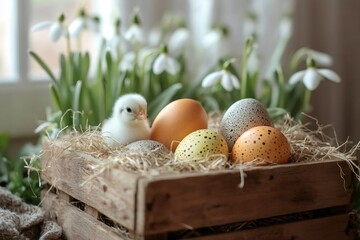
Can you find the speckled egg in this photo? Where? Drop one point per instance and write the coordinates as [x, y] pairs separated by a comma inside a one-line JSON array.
[[148, 147], [261, 144], [241, 116], [202, 143]]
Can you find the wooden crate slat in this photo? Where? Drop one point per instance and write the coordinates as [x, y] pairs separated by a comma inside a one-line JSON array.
[[111, 193], [77, 224], [329, 228], [171, 202]]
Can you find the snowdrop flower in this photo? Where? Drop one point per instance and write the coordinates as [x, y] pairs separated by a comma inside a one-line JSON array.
[[57, 28], [213, 38], [127, 62], [320, 58], [135, 33], [253, 64], [312, 76], [155, 37], [164, 62], [178, 40], [286, 27], [146, 57], [215, 45], [116, 43], [83, 21], [228, 80], [250, 25]]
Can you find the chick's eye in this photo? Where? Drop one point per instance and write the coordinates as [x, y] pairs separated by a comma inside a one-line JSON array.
[[128, 110]]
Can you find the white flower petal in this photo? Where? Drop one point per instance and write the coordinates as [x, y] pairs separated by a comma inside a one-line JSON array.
[[76, 27], [253, 61], [55, 31], [135, 34], [159, 64], [91, 24], [155, 36], [226, 81], [321, 58], [211, 79], [312, 79], [212, 38], [285, 29], [235, 81], [178, 40], [127, 62], [41, 25], [172, 66], [296, 77], [249, 27], [146, 56], [330, 75], [42, 127]]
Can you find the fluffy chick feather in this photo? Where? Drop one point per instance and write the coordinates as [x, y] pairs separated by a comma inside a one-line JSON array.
[[128, 122]]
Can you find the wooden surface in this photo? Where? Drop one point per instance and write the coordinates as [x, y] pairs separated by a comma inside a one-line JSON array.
[[77, 224], [174, 202], [171, 202], [329, 228], [112, 193]]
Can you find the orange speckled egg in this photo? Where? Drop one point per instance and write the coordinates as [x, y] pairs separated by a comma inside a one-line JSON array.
[[176, 120], [263, 144]]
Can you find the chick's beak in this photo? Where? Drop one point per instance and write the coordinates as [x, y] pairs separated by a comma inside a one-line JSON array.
[[141, 115]]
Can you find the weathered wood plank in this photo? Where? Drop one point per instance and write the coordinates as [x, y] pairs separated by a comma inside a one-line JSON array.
[[171, 202], [77, 224], [329, 228], [112, 193]]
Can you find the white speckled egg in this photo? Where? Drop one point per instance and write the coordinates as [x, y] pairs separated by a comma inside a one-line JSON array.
[[202, 143], [146, 146], [241, 116]]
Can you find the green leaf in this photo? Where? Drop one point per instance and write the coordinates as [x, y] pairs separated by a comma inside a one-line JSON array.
[[276, 112], [4, 143], [85, 66], [211, 103], [76, 104], [164, 98], [55, 98], [44, 66]]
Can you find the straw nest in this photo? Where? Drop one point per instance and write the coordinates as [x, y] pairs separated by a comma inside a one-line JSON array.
[[307, 145]]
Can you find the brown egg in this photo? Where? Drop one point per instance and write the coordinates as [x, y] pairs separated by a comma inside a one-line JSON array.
[[262, 144], [176, 120]]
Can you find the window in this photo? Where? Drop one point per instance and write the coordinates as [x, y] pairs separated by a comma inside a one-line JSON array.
[[24, 93], [7, 33], [39, 42]]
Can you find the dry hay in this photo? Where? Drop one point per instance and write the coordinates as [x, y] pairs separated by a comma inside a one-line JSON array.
[[308, 145]]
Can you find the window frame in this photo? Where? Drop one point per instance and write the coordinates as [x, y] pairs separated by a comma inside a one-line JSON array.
[[19, 114]]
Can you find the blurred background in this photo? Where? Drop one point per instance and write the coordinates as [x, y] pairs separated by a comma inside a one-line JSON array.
[[331, 26]]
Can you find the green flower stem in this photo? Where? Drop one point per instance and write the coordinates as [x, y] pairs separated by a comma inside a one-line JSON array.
[[244, 61], [296, 58], [307, 98]]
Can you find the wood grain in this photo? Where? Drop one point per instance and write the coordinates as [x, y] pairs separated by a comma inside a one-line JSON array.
[[77, 224], [329, 228], [174, 202], [112, 193]]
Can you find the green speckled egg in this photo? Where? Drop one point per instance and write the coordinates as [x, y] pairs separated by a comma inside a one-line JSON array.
[[202, 143], [241, 116]]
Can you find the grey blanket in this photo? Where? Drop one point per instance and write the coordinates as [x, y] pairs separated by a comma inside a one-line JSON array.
[[19, 220]]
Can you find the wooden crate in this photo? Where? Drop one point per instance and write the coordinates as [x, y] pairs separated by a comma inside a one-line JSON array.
[[271, 205]]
